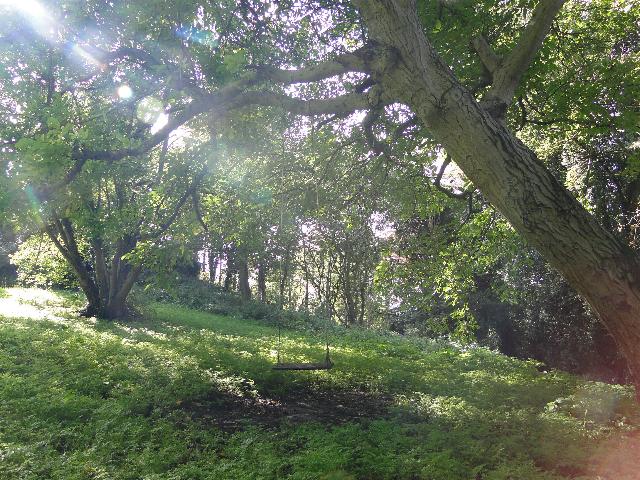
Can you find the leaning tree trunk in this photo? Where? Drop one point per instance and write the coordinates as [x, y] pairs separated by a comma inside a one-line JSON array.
[[603, 269]]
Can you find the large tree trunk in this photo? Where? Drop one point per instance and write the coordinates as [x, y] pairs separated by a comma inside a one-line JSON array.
[[594, 261], [106, 291]]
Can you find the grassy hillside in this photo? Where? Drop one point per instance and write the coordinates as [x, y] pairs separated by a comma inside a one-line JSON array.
[[188, 395]]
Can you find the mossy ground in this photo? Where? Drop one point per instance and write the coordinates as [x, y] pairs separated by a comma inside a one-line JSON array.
[[181, 394]]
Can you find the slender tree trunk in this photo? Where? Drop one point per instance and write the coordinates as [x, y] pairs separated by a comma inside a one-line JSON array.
[[347, 293], [262, 282], [243, 279], [230, 270], [595, 262], [285, 272], [213, 264], [328, 290], [363, 303], [305, 264], [220, 256]]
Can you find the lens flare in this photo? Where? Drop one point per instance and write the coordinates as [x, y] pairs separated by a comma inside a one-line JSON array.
[[37, 15], [160, 123], [84, 54], [28, 7], [125, 92], [36, 206]]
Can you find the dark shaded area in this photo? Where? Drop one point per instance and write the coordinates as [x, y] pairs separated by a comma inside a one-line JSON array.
[[549, 323], [8, 245], [330, 407]]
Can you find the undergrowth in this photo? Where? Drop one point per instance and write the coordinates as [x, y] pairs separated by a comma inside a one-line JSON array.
[[185, 394]]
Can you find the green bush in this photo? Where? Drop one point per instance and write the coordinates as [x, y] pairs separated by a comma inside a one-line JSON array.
[[40, 264], [203, 296]]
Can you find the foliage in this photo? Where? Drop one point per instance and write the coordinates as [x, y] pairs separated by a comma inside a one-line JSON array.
[[8, 245], [202, 296], [159, 398], [40, 264]]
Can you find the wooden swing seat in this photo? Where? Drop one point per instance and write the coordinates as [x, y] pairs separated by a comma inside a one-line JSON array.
[[303, 366]]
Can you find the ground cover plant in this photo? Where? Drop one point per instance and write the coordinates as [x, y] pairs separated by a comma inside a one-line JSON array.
[[183, 394]]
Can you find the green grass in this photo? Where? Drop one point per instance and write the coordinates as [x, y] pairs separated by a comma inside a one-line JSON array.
[[190, 395]]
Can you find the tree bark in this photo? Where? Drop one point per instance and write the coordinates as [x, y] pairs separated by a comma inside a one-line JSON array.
[[230, 270], [243, 279], [594, 261], [262, 282]]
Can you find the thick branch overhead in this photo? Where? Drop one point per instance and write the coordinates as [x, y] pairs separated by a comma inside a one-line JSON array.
[[508, 73]]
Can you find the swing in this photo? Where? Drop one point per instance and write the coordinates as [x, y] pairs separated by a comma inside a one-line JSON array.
[[327, 364]]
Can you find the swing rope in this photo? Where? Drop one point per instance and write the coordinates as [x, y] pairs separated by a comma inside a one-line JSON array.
[[327, 363]]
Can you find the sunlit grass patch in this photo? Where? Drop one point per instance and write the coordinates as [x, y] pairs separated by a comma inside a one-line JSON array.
[[38, 304]]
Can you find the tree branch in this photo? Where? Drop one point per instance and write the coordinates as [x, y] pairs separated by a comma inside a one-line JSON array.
[[198, 212], [462, 195], [236, 95], [489, 59], [342, 104], [348, 62], [508, 74], [176, 210]]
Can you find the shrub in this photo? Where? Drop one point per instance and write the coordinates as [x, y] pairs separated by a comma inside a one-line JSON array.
[[40, 264], [210, 298]]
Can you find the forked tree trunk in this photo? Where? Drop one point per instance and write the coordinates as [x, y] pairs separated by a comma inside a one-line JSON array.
[[111, 300], [106, 289], [604, 270]]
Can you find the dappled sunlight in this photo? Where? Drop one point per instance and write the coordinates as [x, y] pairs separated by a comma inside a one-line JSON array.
[[141, 333], [319, 240], [33, 304]]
